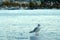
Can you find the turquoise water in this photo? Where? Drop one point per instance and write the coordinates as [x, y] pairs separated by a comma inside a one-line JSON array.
[[17, 27]]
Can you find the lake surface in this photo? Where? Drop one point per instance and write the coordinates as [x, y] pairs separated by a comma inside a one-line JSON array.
[[17, 27]]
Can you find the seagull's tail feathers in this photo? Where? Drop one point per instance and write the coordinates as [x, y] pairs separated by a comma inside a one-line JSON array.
[[31, 32]]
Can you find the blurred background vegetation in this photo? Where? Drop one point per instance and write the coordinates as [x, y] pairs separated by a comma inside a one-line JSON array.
[[32, 4]]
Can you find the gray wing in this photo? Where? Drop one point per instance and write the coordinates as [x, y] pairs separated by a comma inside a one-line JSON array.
[[33, 30]]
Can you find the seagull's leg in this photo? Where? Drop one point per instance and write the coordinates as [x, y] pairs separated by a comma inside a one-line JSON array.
[[36, 33]]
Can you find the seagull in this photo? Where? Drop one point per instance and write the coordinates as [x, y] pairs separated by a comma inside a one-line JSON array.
[[37, 29]]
